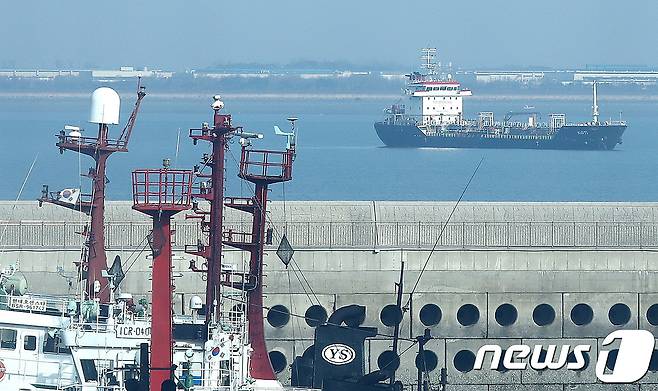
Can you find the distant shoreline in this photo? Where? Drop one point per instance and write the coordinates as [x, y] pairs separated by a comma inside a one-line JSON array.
[[333, 96]]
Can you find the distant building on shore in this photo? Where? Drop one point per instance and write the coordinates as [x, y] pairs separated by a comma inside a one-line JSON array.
[[98, 74], [38, 74], [130, 72], [616, 77], [523, 77]]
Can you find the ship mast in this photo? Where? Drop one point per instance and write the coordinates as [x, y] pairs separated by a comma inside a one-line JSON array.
[[104, 112], [595, 104], [213, 192], [428, 56], [161, 193], [262, 168]]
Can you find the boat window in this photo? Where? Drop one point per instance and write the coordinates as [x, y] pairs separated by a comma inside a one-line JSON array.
[[54, 345], [30, 343], [89, 370], [443, 88], [7, 339]]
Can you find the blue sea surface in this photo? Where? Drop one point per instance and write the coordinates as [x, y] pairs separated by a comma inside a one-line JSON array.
[[339, 154]]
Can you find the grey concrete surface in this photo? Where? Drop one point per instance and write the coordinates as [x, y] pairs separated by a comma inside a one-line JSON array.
[[521, 254]]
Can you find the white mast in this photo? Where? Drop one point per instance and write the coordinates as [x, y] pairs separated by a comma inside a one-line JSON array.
[[428, 55], [595, 105]]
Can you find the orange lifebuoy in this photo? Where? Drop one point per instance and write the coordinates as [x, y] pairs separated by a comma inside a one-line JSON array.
[[2, 371]]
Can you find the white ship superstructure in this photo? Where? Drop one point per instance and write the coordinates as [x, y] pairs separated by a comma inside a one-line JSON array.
[[437, 103]]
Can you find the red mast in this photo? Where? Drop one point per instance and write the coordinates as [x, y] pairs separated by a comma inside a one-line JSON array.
[[105, 112], [262, 168], [161, 194], [213, 192]]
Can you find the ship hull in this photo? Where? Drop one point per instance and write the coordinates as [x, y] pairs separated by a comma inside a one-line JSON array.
[[574, 137]]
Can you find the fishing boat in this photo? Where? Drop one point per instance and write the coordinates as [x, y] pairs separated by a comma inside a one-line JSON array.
[[100, 338]]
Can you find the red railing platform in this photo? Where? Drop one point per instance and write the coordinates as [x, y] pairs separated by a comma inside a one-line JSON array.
[[263, 165], [162, 190]]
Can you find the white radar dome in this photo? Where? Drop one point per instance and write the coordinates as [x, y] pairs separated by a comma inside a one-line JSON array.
[[105, 106], [196, 303]]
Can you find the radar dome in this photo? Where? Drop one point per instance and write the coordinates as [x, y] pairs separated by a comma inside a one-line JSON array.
[[196, 303], [105, 106]]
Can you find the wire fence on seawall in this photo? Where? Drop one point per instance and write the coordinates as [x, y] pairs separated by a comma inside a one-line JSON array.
[[358, 234]]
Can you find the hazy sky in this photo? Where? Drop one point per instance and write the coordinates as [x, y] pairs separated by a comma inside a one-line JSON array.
[[198, 33]]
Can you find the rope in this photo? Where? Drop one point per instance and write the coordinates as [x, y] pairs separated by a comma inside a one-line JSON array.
[[443, 228], [18, 197], [269, 220], [295, 315]]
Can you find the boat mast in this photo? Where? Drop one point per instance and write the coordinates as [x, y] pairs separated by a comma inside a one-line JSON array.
[[262, 168], [213, 192], [161, 193], [595, 104], [104, 112], [428, 56]]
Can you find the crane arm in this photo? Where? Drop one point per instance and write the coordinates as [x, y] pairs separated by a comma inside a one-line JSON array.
[[127, 131]]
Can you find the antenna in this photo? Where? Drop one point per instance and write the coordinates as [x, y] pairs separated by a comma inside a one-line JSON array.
[[177, 148], [428, 56], [290, 135], [595, 105]]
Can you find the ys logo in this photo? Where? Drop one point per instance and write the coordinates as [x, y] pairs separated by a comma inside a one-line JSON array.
[[338, 354]]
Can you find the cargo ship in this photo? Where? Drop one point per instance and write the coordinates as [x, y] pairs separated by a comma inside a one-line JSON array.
[[433, 117]]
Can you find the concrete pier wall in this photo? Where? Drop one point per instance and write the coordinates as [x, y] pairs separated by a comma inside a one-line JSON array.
[[504, 273], [365, 225]]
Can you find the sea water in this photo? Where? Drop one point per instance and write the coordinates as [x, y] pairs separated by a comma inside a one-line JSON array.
[[339, 155]]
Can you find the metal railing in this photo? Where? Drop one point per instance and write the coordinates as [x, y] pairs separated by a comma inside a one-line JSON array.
[[357, 234], [35, 303], [162, 189], [83, 142], [256, 163]]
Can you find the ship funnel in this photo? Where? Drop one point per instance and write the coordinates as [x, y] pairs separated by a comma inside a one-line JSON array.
[[105, 106], [352, 315]]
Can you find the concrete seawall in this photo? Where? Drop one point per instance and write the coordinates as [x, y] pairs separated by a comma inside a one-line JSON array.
[[528, 255], [370, 225]]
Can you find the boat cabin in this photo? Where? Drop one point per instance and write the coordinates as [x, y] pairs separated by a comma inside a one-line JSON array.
[[437, 103]]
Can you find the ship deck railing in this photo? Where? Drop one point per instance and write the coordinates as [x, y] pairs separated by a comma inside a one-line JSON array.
[[35, 365], [35, 304], [431, 127], [604, 123], [81, 387], [101, 325], [208, 379]]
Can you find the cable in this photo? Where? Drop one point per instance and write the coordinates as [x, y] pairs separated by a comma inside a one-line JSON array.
[[133, 262], [438, 239], [269, 220], [378, 334], [401, 353], [294, 263], [18, 197]]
